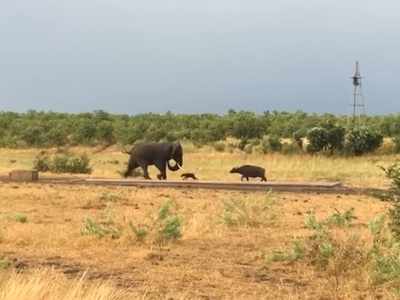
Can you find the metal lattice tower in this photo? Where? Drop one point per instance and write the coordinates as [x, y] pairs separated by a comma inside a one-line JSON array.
[[358, 98]]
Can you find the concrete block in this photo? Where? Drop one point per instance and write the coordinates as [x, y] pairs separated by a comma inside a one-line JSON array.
[[24, 175]]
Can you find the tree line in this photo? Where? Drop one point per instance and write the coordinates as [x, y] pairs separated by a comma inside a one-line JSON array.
[[326, 132]]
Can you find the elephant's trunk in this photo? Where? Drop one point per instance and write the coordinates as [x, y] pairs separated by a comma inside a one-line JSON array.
[[174, 168]]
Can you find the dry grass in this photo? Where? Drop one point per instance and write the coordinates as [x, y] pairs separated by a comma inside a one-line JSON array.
[[49, 285], [209, 164], [212, 260]]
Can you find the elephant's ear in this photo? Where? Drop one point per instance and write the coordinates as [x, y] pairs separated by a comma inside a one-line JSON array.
[[174, 147]]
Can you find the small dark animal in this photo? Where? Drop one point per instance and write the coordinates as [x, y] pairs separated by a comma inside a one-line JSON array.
[[250, 171], [189, 175]]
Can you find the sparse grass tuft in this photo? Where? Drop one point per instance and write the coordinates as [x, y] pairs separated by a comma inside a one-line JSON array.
[[109, 197], [5, 263], [91, 227], [248, 212], [140, 231], [297, 252], [342, 219], [164, 227], [21, 218]]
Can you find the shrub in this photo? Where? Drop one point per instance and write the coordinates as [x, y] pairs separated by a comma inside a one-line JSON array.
[[91, 227], [324, 249], [169, 224], [393, 195], [396, 142], [42, 162], [57, 136], [295, 253], [271, 144], [329, 138], [164, 227], [219, 146], [140, 232], [361, 140], [105, 132], [248, 149], [318, 139], [298, 137], [342, 219], [5, 263], [242, 144], [21, 218], [63, 163]]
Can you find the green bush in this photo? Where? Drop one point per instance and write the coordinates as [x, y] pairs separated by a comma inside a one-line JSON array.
[[164, 227], [298, 137], [20, 218], [393, 173], [248, 148], [42, 162], [91, 227], [140, 232], [271, 144], [328, 138], [361, 140], [396, 142], [63, 163], [219, 146], [317, 139]]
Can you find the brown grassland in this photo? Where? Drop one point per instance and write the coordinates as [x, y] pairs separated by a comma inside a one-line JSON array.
[[44, 255]]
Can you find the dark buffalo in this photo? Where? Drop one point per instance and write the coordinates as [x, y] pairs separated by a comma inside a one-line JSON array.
[[250, 171]]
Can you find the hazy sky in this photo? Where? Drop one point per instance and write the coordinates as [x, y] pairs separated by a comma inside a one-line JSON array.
[[131, 56]]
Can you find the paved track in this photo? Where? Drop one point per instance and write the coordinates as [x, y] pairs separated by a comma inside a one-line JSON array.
[[299, 187]]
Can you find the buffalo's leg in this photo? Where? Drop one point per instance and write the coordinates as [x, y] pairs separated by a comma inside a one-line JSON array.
[[247, 178], [241, 178], [263, 178]]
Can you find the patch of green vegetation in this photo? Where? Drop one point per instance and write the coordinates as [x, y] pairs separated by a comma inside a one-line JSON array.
[[21, 218], [62, 163], [91, 227], [164, 227], [5, 263], [140, 231]]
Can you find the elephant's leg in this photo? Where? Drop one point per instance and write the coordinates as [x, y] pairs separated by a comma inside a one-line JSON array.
[[162, 166], [145, 171], [132, 165]]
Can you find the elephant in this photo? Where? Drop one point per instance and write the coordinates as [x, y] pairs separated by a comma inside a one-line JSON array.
[[158, 154]]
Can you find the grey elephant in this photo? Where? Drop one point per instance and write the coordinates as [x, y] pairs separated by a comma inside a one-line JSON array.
[[158, 154]]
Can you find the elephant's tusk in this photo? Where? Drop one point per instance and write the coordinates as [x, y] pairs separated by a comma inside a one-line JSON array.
[[180, 167]]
